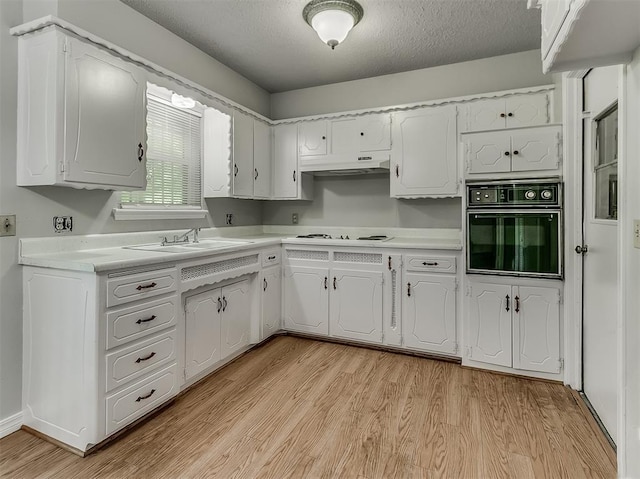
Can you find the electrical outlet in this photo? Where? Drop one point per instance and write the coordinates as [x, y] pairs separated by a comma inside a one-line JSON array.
[[294, 218], [8, 225], [229, 218], [636, 234], [62, 223]]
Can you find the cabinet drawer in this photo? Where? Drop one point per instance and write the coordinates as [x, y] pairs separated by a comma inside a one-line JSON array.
[[141, 398], [271, 257], [128, 324], [442, 264], [133, 287], [139, 358]]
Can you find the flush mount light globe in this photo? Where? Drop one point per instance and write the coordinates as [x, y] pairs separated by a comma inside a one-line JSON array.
[[332, 19]]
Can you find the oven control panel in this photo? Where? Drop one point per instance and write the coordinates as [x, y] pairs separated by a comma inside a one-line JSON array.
[[515, 194]]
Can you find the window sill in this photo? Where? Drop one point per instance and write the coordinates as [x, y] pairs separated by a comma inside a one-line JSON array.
[[158, 214]]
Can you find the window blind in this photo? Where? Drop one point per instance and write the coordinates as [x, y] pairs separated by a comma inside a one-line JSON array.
[[174, 148]]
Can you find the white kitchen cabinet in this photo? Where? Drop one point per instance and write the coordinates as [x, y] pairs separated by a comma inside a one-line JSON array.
[[81, 115], [271, 301], [235, 324], [516, 326], [312, 138], [288, 182], [354, 135], [306, 299], [261, 160], [510, 112], [243, 174], [429, 312], [217, 155], [552, 16], [203, 314], [356, 306], [424, 156], [524, 150]]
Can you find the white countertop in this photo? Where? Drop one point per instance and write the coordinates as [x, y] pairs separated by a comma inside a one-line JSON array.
[[105, 253]]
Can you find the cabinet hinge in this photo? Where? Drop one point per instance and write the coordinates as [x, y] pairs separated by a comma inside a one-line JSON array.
[[561, 364], [62, 167], [560, 298], [65, 47], [468, 290]]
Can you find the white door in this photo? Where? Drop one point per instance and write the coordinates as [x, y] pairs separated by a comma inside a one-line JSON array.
[[235, 327], [536, 329], [312, 137], [261, 160], [600, 229], [105, 119], [243, 173], [285, 161], [424, 152], [202, 317], [306, 299], [527, 110], [489, 335], [488, 152], [429, 312], [535, 149], [356, 305], [271, 298], [374, 132]]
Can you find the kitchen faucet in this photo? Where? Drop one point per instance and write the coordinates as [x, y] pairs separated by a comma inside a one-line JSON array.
[[183, 238]]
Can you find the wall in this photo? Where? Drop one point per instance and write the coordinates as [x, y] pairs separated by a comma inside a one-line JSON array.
[[517, 70], [364, 201], [91, 210]]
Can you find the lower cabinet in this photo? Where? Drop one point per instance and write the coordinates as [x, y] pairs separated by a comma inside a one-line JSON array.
[[218, 323], [429, 312], [271, 298], [306, 299], [516, 326]]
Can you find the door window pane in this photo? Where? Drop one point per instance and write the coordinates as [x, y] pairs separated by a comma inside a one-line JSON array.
[[606, 165]]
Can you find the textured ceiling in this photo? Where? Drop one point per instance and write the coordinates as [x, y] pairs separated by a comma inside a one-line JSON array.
[[268, 42]]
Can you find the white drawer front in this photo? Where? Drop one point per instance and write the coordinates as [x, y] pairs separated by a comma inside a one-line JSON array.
[[133, 287], [441, 264], [138, 359], [135, 322], [270, 258], [141, 398]]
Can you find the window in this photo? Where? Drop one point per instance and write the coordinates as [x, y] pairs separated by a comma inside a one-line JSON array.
[[606, 165], [174, 166]]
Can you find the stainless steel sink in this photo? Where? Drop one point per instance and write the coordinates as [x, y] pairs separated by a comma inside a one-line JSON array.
[[205, 244]]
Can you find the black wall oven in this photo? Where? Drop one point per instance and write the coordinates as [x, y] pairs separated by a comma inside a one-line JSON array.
[[515, 228]]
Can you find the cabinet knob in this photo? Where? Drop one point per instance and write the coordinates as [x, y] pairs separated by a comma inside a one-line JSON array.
[[324, 137], [515, 152], [502, 115], [506, 153], [362, 133], [510, 114]]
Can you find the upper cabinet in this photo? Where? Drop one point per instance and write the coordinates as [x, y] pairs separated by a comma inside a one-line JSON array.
[[288, 183], [361, 134], [261, 160], [312, 138], [510, 112], [242, 155], [424, 159], [81, 115], [580, 34]]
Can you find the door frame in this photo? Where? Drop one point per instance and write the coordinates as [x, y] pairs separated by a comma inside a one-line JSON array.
[[572, 113]]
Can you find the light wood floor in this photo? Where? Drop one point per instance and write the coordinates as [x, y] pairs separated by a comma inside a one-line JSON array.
[[306, 409]]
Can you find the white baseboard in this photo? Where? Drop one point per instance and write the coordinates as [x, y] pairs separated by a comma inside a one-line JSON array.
[[10, 424]]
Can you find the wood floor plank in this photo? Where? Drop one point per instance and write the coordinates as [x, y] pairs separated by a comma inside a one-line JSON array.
[[298, 408]]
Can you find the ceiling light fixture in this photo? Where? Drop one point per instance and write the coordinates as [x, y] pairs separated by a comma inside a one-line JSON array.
[[182, 101], [332, 19]]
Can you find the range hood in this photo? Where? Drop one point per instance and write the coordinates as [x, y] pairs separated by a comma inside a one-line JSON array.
[[344, 165]]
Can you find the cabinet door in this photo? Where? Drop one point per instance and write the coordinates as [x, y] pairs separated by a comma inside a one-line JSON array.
[[271, 297], [429, 312], [356, 305], [488, 153], [306, 299], [536, 329], [216, 154], [235, 326], [203, 312], [242, 155], [105, 119], [285, 161], [553, 14], [374, 132], [527, 110], [424, 148], [489, 336], [535, 149], [485, 115], [345, 136], [312, 137], [261, 160]]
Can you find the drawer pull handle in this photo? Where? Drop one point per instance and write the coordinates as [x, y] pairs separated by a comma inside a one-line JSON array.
[[141, 398], [507, 298], [140, 321], [426, 263], [140, 152], [409, 289], [325, 282], [265, 284], [334, 283], [272, 257], [146, 286], [219, 305], [517, 304], [389, 263], [139, 360], [224, 304]]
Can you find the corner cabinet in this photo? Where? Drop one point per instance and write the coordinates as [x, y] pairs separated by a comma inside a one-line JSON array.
[[424, 156], [81, 115]]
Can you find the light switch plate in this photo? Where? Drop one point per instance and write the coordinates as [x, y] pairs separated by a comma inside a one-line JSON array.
[[636, 234], [8, 225]]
